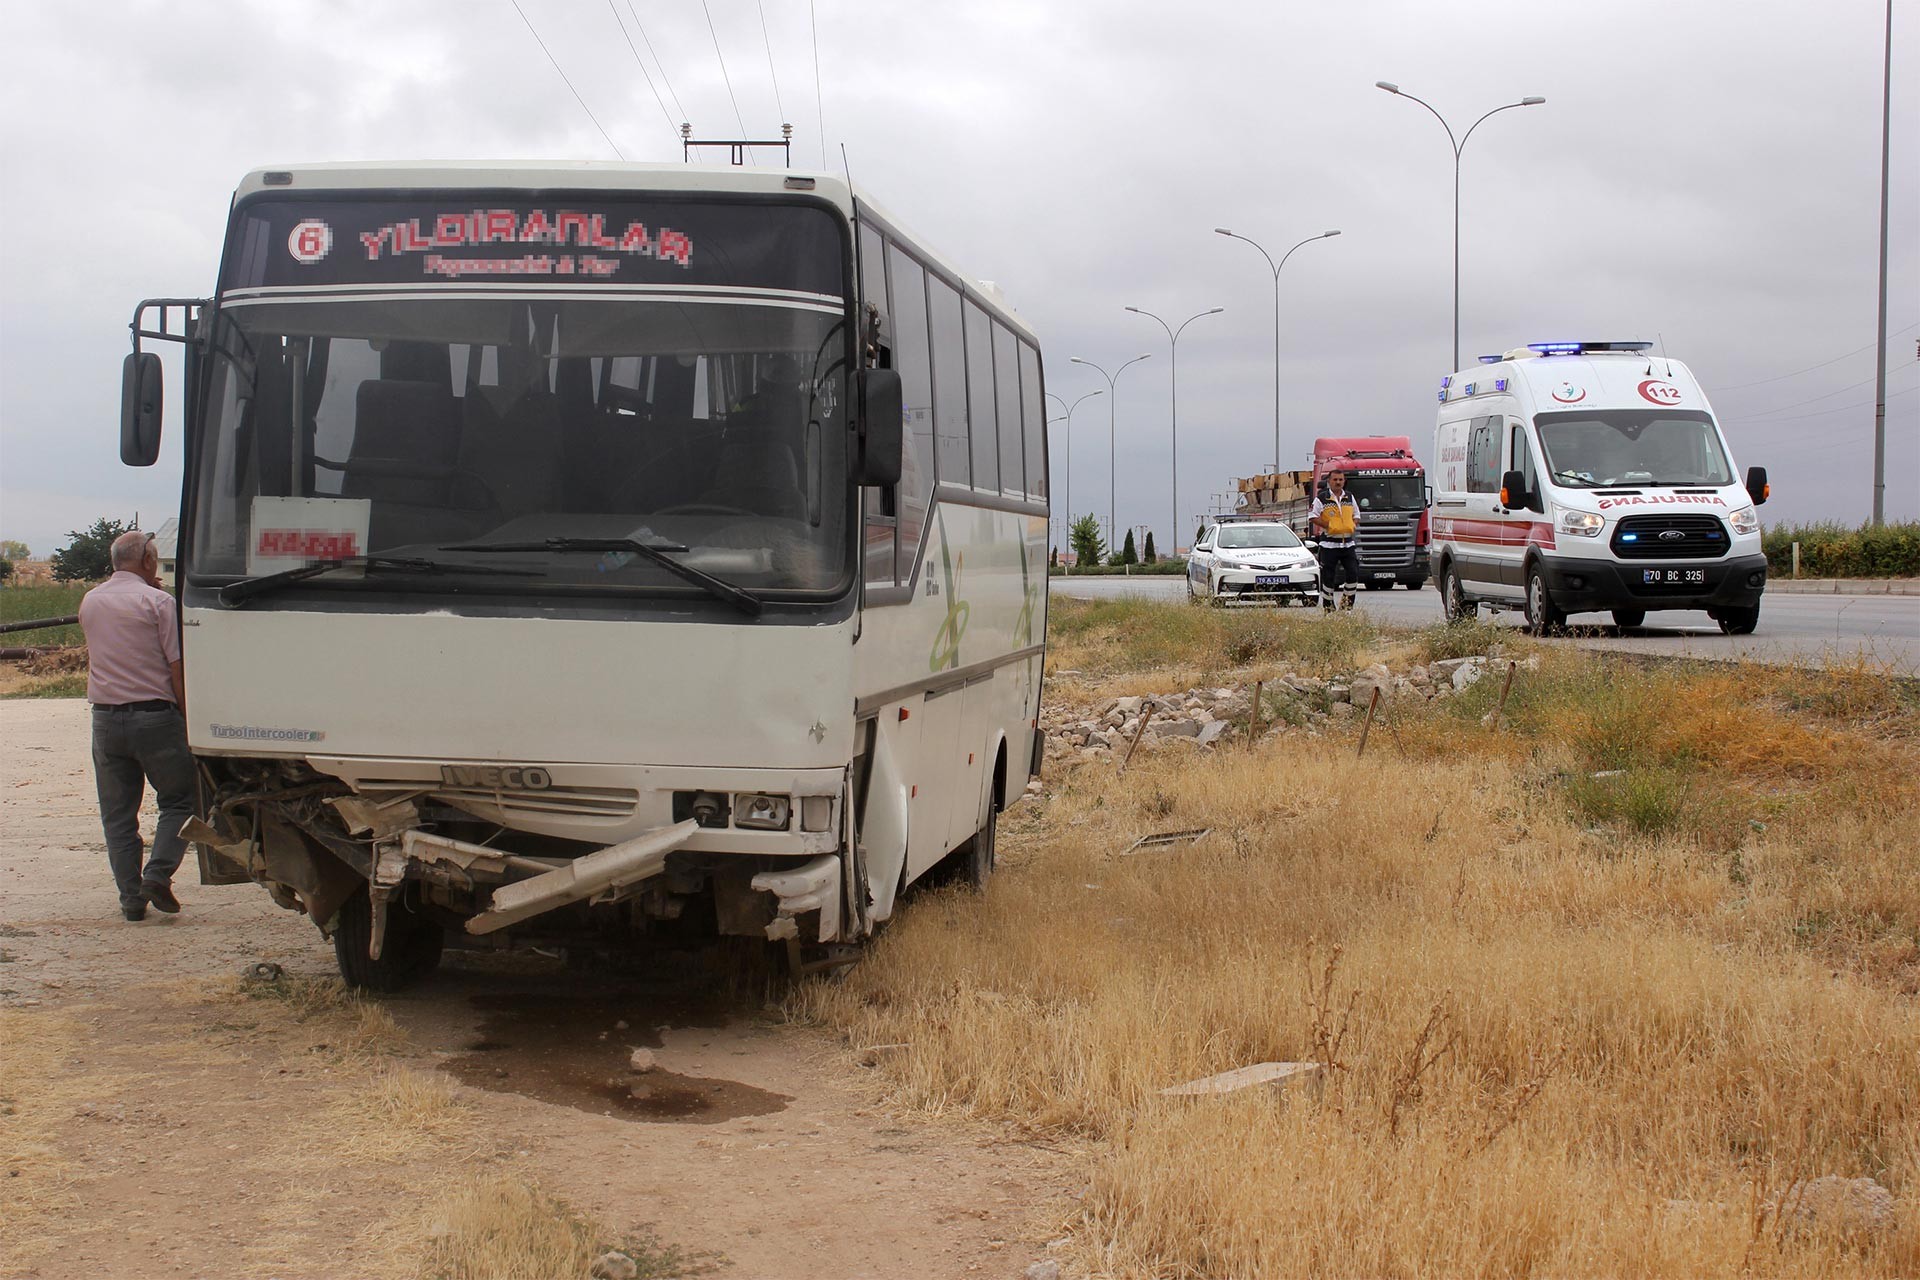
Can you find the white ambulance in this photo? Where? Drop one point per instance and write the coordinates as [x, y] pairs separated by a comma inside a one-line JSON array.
[[1578, 477]]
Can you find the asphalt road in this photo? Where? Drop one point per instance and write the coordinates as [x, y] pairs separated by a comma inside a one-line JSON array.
[[1808, 629]]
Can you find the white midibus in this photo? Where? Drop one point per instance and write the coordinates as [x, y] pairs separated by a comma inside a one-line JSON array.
[[574, 552]]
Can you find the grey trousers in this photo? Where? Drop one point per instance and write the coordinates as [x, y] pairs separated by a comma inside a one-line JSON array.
[[132, 747]]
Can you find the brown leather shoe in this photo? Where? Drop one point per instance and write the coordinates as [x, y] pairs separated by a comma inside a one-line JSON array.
[[161, 896]]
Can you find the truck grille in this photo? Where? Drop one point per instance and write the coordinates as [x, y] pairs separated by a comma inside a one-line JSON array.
[[1670, 537], [1385, 543]]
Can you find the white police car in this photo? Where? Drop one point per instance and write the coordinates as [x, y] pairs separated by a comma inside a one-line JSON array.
[[1252, 558]]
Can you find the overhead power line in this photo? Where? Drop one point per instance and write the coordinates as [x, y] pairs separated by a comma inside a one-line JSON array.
[[657, 62], [764, 35], [724, 77], [1741, 386], [1852, 386], [813, 24], [1822, 413], [563, 76], [671, 123]]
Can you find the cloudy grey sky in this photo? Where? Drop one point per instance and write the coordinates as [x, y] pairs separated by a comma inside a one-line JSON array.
[[1705, 171]]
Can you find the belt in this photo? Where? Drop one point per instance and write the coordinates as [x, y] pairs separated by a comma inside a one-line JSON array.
[[152, 704]]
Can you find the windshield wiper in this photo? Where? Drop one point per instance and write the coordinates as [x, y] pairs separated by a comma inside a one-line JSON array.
[[237, 593], [743, 600], [1574, 477]]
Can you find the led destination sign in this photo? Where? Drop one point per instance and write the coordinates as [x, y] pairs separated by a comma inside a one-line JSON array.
[[294, 244]]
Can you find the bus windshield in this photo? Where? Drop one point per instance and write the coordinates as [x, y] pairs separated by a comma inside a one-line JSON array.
[[1602, 448], [704, 414]]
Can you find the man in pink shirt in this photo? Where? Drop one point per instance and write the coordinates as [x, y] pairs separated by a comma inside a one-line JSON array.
[[139, 722]]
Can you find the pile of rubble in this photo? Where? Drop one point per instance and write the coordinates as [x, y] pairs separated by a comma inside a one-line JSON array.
[[1203, 718]]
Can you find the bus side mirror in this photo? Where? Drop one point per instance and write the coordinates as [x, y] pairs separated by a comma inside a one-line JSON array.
[[1757, 486], [880, 436], [1513, 489], [140, 397]]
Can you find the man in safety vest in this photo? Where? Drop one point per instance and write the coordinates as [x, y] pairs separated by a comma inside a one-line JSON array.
[[1334, 519]]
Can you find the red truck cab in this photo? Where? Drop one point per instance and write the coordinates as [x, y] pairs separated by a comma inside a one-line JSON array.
[[1390, 486]]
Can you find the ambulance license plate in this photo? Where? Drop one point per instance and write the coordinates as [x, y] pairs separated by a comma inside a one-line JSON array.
[[1269, 579], [1673, 577]]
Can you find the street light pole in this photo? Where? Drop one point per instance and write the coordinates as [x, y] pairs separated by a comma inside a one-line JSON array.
[[1066, 457], [1459, 145], [1880, 347], [1222, 231], [1113, 456], [1173, 378]]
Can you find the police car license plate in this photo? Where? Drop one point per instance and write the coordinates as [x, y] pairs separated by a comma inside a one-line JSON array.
[[1269, 579], [1672, 577]]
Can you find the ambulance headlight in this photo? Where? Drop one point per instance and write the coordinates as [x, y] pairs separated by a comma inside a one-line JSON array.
[[1744, 521], [1581, 524]]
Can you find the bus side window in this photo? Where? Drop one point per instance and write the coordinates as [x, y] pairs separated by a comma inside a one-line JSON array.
[[949, 383], [879, 524], [980, 414], [914, 494], [1006, 374], [1034, 413]]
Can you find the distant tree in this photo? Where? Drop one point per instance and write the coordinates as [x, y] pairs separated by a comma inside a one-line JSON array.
[[1053, 558], [1084, 537], [6, 570], [87, 556], [1150, 556], [11, 550], [1127, 554]]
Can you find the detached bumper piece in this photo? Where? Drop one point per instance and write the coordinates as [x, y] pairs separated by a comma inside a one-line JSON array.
[[814, 886], [612, 868]]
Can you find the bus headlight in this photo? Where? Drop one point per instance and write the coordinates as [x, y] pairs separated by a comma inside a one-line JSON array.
[[762, 812], [1581, 524], [1744, 521]]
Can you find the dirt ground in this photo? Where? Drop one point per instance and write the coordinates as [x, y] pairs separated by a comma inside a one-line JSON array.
[[194, 1144]]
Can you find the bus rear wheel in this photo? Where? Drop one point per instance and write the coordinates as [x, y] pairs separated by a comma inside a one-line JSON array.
[[978, 857]]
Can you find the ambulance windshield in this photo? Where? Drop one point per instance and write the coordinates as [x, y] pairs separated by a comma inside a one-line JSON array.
[[1603, 448]]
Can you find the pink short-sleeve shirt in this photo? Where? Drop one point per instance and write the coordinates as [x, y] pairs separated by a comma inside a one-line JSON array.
[[132, 640]]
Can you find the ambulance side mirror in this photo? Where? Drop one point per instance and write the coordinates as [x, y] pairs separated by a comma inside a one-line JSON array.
[[1513, 489], [1757, 486], [140, 397]]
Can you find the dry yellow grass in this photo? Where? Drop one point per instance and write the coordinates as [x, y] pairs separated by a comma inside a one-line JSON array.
[[495, 1226], [1563, 1031]]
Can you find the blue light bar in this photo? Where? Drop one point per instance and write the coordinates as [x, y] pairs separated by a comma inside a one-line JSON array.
[[1447, 381], [1629, 537], [1499, 384], [1470, 388], [1491, 359], [1556, 348], [1443, 395]]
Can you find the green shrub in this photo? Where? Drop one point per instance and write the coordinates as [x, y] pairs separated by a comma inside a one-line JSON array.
[[1829, 550]]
